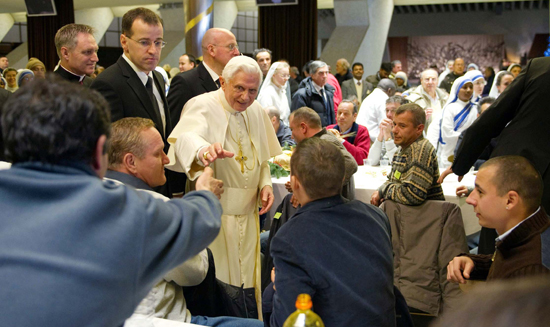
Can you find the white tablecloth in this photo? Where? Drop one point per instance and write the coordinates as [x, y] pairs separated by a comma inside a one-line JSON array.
[[368, 179]]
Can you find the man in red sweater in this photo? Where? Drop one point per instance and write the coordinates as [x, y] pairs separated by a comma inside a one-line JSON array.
[[507, 197], [353, 136]]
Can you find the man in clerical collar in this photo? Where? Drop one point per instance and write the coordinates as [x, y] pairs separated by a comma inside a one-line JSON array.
[[414, 173], [507, 197], [353, 136], [77, 51]]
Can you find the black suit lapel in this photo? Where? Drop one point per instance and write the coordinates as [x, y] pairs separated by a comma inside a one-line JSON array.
[[139, 89], [206, 80]]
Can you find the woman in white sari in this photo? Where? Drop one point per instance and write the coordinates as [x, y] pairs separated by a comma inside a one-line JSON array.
[[458, 114], [479, 83], [273, 90]]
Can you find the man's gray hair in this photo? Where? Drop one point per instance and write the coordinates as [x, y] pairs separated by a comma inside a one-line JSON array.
[[242, 64], [395, 62], [427, 70], [67, 35], [258, 51], [397, 99], [385, 84], [272, 111], [315, 65]]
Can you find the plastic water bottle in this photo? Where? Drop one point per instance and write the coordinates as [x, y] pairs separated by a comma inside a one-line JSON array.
[[303, 316], [385, 161]]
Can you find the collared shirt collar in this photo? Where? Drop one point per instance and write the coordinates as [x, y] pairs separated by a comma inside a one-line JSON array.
[[81, 77], [346, 132], [504, 235], [142, 75], [317, 87], [357, 81], [212, 73]]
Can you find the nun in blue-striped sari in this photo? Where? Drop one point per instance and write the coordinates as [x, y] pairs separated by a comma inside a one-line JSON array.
[[459, 113], [479, 83]]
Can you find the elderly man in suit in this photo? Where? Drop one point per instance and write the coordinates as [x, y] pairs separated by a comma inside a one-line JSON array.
[[132, 86], [355, 86]]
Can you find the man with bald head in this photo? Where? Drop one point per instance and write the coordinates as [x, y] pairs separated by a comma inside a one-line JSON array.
[[458, 70], [218, 46]]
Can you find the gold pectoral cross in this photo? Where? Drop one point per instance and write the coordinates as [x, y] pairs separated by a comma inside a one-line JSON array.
[[241, 158]]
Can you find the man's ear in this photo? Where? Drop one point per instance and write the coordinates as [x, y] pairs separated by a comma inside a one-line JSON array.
[[123, 41], [64, 53], [99, 164], [420, 128], [512, 199], [294, 183], [129, 162]]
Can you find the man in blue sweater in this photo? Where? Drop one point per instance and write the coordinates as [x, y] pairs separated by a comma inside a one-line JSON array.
[[335, 250], [75, 251]]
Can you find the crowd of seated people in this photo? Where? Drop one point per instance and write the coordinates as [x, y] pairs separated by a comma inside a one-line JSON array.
[[139, 188]]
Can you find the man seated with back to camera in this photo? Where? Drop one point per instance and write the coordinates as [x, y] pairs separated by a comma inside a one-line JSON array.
[[136, 158], [306, 123], [507, 197], [414, 173], [335, 250], [66, 235]]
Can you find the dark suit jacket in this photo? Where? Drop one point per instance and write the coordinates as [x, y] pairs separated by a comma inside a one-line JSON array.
[[521, 117], [187, 85], [127, 96], [348, 89], [4, 96], [63, 73]]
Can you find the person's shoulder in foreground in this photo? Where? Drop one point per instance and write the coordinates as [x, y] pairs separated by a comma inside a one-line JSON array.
[[507, 197], [328, 249], [68, 236]]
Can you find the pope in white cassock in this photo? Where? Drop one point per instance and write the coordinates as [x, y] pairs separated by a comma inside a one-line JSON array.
[[229, 124]]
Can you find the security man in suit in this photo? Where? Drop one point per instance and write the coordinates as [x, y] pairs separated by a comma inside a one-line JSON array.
[[132, 86]]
